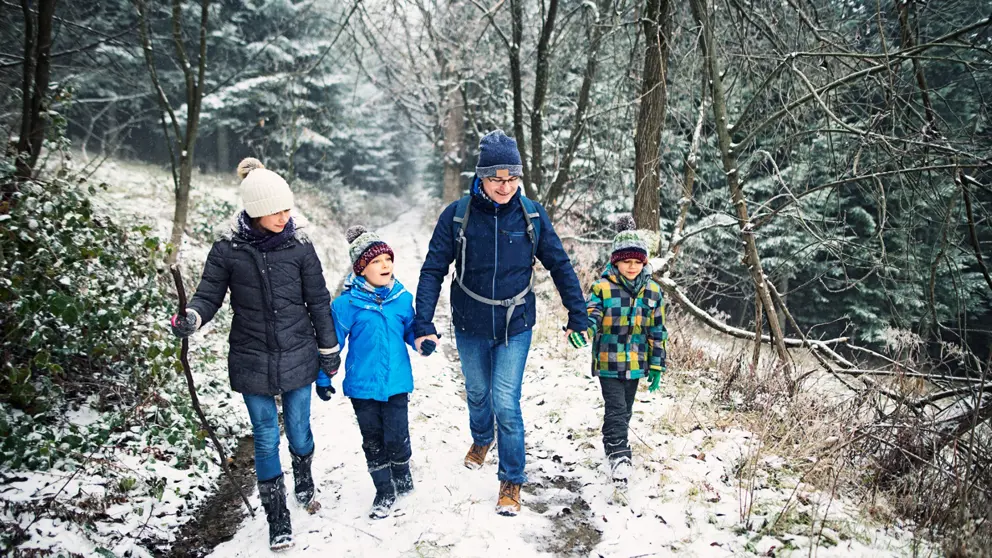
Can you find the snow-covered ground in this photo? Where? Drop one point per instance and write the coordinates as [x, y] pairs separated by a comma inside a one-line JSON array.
[[685, 499]]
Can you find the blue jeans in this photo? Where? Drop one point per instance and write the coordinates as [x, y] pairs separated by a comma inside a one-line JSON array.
[[494, 372], [265, 428]]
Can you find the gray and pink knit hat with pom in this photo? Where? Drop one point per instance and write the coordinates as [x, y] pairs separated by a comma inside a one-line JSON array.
[[365, 246], [627, 244]]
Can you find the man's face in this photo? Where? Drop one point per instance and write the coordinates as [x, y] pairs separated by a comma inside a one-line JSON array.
[[501, 189]]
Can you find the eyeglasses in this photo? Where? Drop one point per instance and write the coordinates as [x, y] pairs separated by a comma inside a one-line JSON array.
[[501, 181]]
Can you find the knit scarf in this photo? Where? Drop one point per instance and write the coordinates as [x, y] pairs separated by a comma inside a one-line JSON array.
[[263, 240], [381, 292], [633, 287]]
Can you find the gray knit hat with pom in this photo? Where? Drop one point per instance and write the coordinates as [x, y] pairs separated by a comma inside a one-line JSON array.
[[627, 244], [365, 246], [263, 192]]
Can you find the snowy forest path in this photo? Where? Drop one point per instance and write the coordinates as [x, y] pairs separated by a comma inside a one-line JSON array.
[[684, 498]]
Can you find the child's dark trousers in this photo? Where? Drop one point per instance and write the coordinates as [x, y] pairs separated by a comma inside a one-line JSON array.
[[385, 438], [618, 397]]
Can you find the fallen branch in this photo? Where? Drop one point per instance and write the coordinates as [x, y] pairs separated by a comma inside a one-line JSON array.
[[672, 288], [184, 359]]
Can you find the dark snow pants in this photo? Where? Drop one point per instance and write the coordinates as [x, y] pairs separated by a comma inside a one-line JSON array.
[[385, 432], [618, 399]]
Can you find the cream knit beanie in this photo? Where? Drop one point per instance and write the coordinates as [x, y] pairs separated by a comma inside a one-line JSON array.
[[263, 192]]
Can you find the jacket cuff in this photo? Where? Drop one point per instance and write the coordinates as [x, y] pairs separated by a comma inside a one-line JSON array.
[[323, 380], [579, 324], [330, 351], [421, 330], [658, 367]]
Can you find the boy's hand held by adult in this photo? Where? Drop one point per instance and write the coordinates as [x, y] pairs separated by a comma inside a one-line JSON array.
[[324, 392], [427, 347], [576, 339], [419, 342]]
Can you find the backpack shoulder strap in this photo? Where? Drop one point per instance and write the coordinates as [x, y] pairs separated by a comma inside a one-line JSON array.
[[533, 218], [461, 213]]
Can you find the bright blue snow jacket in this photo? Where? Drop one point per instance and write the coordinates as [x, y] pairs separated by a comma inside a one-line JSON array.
[[377, 327], [497, 266]]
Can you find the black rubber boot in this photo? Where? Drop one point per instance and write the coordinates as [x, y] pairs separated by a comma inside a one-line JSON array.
[[303, 478], [273, 495], [402, 479], [385, 494]]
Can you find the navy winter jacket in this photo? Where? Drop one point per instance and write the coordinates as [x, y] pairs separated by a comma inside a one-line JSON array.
[[377, 328], [497, 266], [280, 305]]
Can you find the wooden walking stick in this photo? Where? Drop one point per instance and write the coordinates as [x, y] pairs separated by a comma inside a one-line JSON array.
[[184, 358]]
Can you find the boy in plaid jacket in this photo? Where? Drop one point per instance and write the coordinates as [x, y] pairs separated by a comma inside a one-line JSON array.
[[627, 325]]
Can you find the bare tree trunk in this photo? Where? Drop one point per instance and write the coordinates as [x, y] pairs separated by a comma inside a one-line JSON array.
[[34, 85], [516, 80], [540, 93], [655, 25], [185, 140], [562, 178], [909, 41], [454, 145], [751, 258]]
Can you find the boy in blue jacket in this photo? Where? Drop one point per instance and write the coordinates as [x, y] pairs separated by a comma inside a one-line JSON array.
[[375, 312]]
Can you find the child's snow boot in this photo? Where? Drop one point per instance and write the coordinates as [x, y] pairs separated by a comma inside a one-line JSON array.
[[385, 494], [402, 479], [620, 470], [303, 478], [273, 495]]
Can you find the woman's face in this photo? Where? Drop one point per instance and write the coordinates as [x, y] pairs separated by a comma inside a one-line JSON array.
[[379, 271], [275, 222]]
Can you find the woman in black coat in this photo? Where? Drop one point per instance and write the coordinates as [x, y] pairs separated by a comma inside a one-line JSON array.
[[281, 335]]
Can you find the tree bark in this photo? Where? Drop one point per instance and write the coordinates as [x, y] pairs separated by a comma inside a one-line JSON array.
[[540, 95], [751, 259], [454, 145], [34, 86], [562, 177], [655, 25], [517, 19], [184, 140]]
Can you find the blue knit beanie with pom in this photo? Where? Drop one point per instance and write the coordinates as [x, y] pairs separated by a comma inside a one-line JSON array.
[[498, 152]]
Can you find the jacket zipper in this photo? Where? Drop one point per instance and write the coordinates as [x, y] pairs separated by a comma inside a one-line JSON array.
[[495, 264]]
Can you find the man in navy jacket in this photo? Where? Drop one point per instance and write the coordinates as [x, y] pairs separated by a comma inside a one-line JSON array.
[[492, 302]]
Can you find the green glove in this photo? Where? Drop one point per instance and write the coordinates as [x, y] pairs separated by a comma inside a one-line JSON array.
[[654, 376], [577, 339]]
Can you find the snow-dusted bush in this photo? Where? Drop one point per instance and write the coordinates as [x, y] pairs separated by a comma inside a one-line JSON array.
[[77, 295]]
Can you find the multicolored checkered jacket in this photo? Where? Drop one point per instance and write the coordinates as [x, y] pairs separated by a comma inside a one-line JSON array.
[[627, 329]]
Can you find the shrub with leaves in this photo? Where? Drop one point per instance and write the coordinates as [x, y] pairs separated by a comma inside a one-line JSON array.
[[78, 297]]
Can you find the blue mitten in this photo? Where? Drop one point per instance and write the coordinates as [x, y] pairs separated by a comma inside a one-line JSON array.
[[427, 347]]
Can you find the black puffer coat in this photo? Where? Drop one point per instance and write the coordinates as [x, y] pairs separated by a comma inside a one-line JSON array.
[[281, 312]]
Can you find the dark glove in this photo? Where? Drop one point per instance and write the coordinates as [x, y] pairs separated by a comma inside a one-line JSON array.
[[324, 392], [427, 347], [184, 326], [330, 364]]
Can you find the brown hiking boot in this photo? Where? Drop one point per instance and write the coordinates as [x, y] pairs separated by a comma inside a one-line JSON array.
[[476, 456], [509, 499]]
